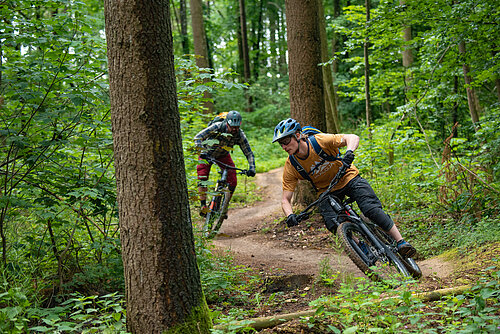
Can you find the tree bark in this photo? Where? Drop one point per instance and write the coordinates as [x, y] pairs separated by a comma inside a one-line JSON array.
[[305, 74], [162, 279], [304, 52]]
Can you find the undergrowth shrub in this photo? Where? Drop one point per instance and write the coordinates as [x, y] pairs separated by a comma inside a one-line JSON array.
[[369, 307]]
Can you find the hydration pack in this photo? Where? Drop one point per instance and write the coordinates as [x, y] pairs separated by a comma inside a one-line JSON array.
[[310, 132], [219, 118]]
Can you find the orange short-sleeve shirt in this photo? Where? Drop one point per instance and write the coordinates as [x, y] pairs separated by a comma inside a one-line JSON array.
[[324, 172]]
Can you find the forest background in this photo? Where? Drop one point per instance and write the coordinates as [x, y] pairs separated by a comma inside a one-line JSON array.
[[418, 81]]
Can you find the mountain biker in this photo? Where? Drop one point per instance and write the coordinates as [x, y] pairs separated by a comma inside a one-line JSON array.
[[288, 133], [215, 141]]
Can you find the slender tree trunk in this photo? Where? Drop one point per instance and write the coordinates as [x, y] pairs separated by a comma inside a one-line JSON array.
[[257, 45], [335, 64], [367, 70], [331, 113], [407, 56], [282, 45], [200, 45], [162, 279], [245, 54], [472, 99], [497, 86], [184, 24]]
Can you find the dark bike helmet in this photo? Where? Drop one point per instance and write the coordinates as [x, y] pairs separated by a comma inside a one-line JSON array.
[[233, 118], [286, 128]]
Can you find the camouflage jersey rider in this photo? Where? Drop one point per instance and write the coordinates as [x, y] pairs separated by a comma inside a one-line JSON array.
[[216, 141]]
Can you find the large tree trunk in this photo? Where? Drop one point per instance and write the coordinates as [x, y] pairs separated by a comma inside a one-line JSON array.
[[304, 52], [200, 45], [162, 279], [306, 79]]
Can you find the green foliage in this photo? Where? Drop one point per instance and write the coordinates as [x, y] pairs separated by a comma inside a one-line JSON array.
[[91, 314], [367, 307]]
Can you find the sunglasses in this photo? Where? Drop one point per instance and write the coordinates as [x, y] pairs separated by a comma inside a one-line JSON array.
[[285, 141]]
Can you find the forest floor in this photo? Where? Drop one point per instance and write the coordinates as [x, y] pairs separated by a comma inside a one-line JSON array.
[[290, 260]]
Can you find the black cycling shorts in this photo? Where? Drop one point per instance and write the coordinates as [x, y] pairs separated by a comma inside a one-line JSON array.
[[359, 190]]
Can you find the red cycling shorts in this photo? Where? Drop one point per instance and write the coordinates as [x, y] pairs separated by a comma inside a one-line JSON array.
[[203, 170]]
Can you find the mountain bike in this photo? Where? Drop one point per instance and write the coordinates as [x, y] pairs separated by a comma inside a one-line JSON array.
[[371, 249], [220, 201]]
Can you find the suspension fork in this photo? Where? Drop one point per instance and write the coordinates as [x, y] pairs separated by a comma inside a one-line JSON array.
[[354, 216]]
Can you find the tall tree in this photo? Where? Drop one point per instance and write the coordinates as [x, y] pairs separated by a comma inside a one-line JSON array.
[[306, 78], [244, 51], [304, 52], [366, 47], [200, 45], [184, 30], [407, 52], [161, 274], [331, 112]]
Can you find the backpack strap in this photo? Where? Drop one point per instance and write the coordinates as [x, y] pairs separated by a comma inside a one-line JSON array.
[[319, 151], [301, 170]]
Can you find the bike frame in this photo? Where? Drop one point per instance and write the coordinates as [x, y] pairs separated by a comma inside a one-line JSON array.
[[345, 212], [218, 201]]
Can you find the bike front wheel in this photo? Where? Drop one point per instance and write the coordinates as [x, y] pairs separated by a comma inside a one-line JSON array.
[[216, 215], [377, 264], [213, 216], [389, 241]]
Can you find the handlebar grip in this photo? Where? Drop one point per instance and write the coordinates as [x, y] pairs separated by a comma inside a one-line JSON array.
[[303, 216]]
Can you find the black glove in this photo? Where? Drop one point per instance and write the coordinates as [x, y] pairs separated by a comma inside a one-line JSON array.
[[204, 156], [348, 158], [251, 172], [291, 220]]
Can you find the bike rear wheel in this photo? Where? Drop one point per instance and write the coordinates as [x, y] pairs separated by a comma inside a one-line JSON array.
[[377, 265], [389, 241]]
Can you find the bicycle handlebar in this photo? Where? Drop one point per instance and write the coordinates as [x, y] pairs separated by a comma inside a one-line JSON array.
[[219, 163], [305, 213]]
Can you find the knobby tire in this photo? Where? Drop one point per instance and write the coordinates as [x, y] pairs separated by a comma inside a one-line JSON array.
[[214, 218], [223, 206], [212, 215], [378, 267], [389, 241]]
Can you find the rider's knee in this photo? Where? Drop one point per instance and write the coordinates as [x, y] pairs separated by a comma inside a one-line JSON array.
[[380, 217]]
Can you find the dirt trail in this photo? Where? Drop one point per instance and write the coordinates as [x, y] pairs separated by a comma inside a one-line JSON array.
[[240, 234]]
